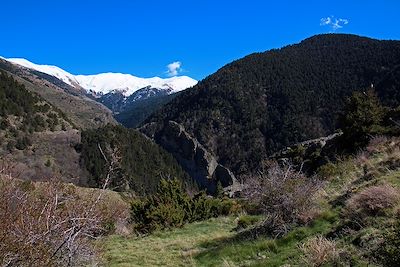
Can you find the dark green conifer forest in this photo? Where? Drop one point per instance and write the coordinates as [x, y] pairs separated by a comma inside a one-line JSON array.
[[142, 163], [257, 105]]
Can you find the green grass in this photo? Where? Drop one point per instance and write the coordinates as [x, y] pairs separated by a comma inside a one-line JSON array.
[[167, 248], [259, 252], [209, 243]]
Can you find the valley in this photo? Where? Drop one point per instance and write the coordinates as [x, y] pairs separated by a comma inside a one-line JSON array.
[[288, 157]]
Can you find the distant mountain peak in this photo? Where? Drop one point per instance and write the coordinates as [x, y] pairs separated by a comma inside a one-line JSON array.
[[55, 71], [105, 83]]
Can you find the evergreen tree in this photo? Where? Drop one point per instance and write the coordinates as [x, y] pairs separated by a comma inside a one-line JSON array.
[[362, 118]]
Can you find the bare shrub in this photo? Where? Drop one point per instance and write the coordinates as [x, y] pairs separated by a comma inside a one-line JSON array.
[[319, 251], [372, 201], [283, 194], [51, 223]]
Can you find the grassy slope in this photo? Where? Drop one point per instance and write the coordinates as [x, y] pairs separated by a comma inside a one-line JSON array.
[[171, 248], [213, 243], [209, 243]]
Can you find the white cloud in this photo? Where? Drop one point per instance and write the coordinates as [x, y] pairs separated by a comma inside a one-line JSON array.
[[174, 68], [334, 23]]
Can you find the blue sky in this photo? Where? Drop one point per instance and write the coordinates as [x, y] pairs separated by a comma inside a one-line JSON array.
[[142, 37]]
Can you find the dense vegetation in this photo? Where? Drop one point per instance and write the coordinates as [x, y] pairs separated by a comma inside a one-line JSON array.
[[14, 99], [172, 207], [363, 116], [141, 163], [266, 101]]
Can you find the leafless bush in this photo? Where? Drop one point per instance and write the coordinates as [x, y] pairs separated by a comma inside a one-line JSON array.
[[372, 201], [52, 224], [283, 194], [319, 251]]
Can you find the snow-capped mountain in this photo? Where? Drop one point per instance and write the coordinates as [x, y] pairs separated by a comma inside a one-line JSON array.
[[105, 83], [57, 72], [128, 84]]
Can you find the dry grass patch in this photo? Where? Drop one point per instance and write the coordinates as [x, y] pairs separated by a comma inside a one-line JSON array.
[[319, 251]]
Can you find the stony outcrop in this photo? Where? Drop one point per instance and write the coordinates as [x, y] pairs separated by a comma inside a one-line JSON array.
[[193, 156], [308, 146]]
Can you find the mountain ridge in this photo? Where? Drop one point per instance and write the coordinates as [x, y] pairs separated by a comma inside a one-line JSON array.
[[104, 83]]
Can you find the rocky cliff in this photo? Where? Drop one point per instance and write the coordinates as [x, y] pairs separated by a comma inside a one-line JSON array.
[[194, 158]]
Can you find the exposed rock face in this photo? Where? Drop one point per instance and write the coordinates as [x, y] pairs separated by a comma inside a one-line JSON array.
[[309, 146], [194, 158], [224, 175]]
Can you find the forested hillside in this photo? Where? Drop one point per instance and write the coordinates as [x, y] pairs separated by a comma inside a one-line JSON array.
[[266, 101], [140, 163]]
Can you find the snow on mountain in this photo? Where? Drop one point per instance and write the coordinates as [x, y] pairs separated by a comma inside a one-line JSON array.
[[128, 84], [107, 82], [61, 74]]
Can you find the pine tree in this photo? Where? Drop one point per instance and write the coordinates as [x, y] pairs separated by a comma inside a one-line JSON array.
[[362, 118]]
